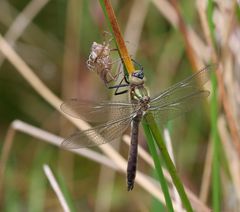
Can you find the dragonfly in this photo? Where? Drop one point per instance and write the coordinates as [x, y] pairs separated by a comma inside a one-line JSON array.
[[113, 118]]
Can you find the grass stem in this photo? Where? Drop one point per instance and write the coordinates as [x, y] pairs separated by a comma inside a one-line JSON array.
[[158, 166], [171, 168], [113, 25], [214, 116]]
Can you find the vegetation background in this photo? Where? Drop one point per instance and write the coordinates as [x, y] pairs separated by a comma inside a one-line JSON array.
[[170, 39]]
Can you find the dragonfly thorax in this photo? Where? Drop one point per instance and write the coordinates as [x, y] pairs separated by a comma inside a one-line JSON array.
[[140, 96], [144, 103]]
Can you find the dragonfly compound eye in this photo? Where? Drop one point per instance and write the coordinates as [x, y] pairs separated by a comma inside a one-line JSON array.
[[138, 74]]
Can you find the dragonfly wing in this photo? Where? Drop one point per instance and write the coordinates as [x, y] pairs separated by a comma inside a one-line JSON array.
[[184, 88], [172, 109], [98, 135], [100, 112]]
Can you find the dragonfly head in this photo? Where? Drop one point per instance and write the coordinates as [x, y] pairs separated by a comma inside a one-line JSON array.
[[138, 73], [137, 77]]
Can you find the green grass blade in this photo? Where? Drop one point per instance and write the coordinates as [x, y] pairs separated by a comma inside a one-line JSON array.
[[216, 190], [12, 197], [156, 205], [170, 166], [38, 182], [37, 190], [158, 166], [66, 193], [216, 149], [238, 13]]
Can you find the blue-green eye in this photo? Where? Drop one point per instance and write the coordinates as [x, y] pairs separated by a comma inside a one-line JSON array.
[[138, 74]]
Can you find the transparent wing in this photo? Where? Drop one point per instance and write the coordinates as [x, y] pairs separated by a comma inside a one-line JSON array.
[[173, 109], [180, 98], [184, 88], [97, 112], [98, 135]]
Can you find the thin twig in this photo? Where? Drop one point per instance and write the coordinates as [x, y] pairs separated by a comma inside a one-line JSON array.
[[53, 182], [4, 156], [22, 21], [206, 178], [52, 139], [8, 14], [168, 142]]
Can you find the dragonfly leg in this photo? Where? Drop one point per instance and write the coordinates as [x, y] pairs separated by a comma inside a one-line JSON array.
[[120, 86], [120, 92], [114, 77]]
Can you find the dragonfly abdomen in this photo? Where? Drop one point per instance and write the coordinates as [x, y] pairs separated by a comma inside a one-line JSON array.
[[133, 152]]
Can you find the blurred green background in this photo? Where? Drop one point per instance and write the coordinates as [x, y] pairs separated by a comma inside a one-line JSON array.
[[56, 44]]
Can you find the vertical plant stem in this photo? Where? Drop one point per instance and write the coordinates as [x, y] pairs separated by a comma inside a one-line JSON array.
[[216, 148], [171, 168], [214, 115], [110, 16], [158, 167]]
